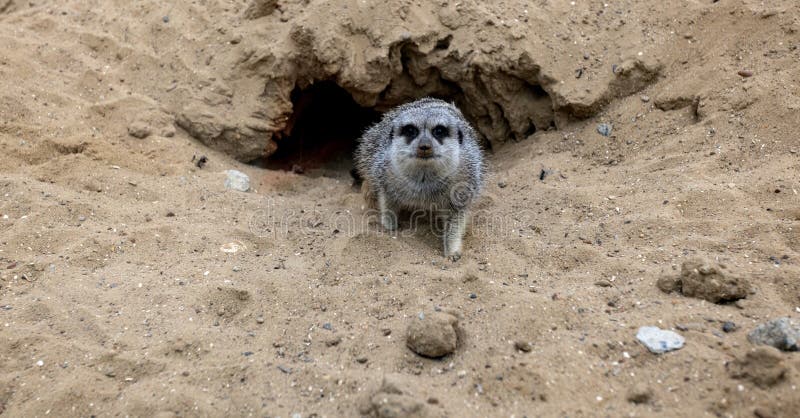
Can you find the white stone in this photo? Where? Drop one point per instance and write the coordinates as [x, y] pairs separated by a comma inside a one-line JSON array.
[[237, 181], [658, 340]]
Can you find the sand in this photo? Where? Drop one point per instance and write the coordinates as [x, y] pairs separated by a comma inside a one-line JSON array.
[[133, 283]]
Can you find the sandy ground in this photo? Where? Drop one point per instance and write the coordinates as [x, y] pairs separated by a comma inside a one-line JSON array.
[[132, 283]]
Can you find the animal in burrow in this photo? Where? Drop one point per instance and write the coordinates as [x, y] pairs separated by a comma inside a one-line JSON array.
[[423, 156]]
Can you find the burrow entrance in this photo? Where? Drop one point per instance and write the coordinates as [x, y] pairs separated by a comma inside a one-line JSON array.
[[321, 132], [320, 136]]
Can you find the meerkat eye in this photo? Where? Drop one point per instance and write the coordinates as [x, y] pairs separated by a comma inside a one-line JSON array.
[[409, 131], [440, 132]]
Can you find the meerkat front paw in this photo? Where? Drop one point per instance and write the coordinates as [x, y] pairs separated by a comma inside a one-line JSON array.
[[454, 233]]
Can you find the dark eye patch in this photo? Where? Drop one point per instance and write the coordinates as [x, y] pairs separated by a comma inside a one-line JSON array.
[[440, 132], [409, 132]]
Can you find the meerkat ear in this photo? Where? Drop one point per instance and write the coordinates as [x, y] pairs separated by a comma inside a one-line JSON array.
[[460, 136]]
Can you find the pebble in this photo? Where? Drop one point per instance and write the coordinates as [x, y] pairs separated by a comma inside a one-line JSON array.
[[237, 181], [603, 283], [644, 98], [729, 326], [40, 363], [260, 319], [604, 129], [781, 333], [434, 336], [165, 19], [327, 326], [473, 296], [745, 73], [285, 369], [523, 346], [658, 340], [640, 394]]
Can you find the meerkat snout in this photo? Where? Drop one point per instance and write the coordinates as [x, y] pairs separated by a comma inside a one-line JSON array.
[[423, 156]]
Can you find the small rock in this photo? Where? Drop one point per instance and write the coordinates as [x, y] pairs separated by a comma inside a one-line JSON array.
[[659, 341], [362, 360], [523, 346], [729, 326], [333, 342], [502, 184], [237, 181], [165, 19], [763, 366], [745, 73], [640, 394], [285, 369], [327, 326], [604, 129], [781, 333], [473, 296], [603, 283], [644, 98], [139, 130], [201, 162], [435, 336], [260, 320]]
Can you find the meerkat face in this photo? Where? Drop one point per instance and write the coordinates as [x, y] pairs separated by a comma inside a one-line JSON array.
[[427, 139]]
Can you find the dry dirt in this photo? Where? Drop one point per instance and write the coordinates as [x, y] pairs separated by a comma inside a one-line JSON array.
[[132, 283]]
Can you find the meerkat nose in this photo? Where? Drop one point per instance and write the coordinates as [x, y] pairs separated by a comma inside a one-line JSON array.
[[424, 149], [424, 145]]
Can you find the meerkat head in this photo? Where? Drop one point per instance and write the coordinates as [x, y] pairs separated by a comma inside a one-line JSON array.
[[427, 136]]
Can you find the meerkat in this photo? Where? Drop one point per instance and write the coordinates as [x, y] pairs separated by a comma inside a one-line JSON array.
[[423, 156]]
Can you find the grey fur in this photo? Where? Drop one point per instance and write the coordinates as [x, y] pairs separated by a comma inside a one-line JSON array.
[[448, 183]]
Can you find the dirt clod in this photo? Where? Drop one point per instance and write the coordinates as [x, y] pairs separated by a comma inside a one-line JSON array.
[[433, 335], [703, 280], [762, 366], [139, 130], [394, 399]]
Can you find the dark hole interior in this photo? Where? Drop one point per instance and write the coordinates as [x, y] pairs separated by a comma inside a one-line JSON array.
[[323, 129]]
